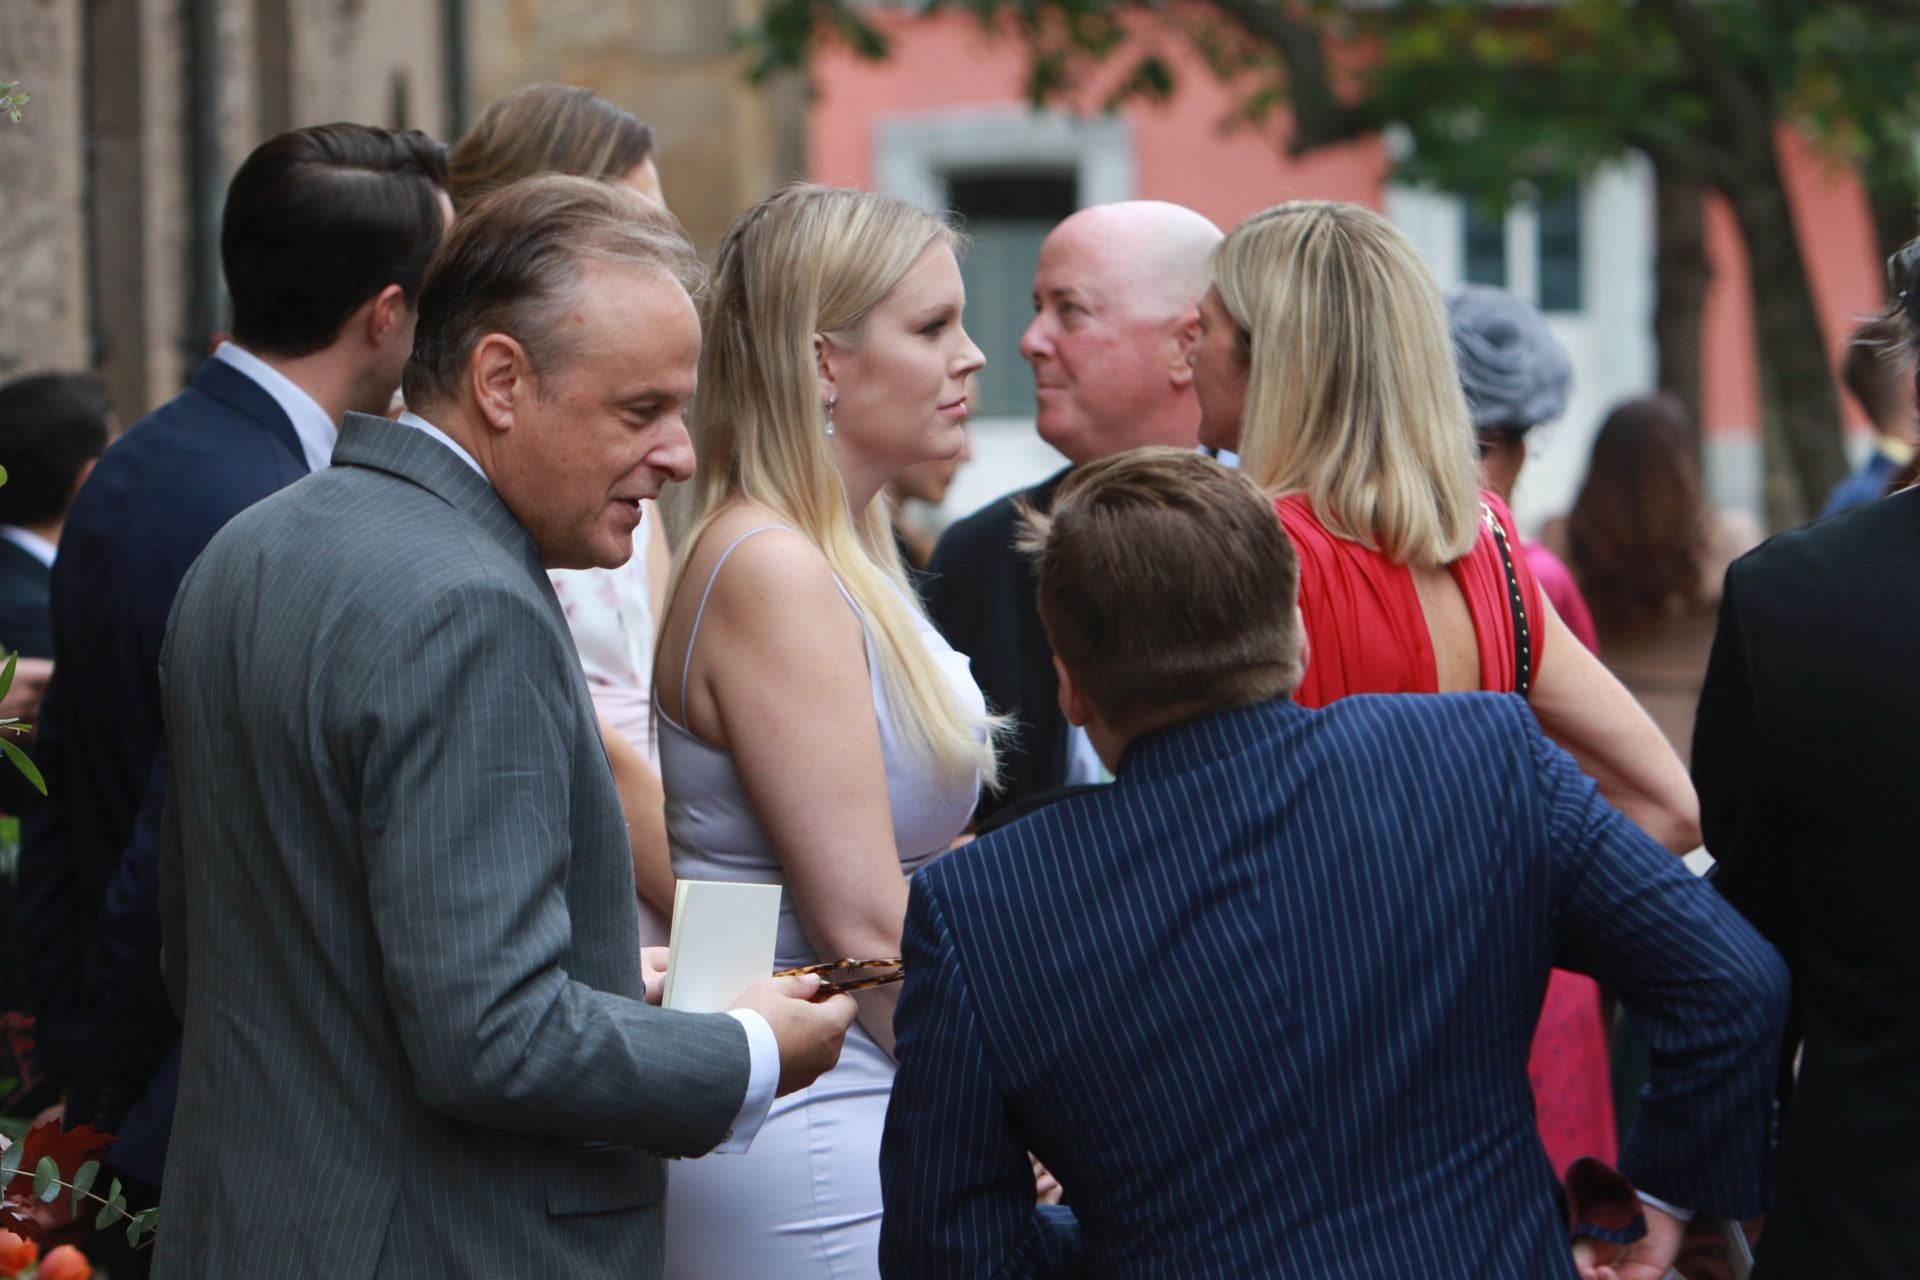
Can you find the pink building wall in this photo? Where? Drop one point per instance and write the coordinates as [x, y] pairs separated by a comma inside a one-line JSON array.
[[1183, 155]]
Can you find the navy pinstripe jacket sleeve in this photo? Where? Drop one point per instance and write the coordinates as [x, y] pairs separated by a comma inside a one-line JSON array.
[[949, 1137], [1704, 989]]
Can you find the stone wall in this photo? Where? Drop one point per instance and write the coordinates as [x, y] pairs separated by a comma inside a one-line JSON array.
[[104, 184], [42, 241], [110, 188]]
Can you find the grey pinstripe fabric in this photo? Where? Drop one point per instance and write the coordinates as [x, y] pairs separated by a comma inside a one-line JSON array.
[[399, 909], [1264, 1005]]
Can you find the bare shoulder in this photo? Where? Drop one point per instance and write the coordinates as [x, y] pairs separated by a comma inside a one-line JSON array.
[[774, 581]]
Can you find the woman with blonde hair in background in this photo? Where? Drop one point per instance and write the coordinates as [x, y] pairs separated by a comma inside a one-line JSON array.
[[815, 731], [552, 128], [1325, 362]]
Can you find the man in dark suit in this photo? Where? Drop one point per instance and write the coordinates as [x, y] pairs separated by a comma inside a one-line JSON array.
[[1284, 1030], [53, 428], [1116, 300], [1803, 757], [324, 238]]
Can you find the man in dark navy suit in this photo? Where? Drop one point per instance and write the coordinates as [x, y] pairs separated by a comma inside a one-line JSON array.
[[53, 428], [1263, 1006], [1116, 303], [324, 239]]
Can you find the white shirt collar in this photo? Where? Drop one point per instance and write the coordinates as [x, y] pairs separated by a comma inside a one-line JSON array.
[[414, 420], [316, 430], [30, 542]]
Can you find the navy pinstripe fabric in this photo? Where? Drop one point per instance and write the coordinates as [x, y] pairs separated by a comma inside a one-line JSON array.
[[1264, 1006]]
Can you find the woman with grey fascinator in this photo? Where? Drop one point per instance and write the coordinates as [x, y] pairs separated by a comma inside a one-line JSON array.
[[1516, 376]]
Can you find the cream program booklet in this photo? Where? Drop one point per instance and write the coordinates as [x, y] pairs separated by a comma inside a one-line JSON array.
[[722, 942]]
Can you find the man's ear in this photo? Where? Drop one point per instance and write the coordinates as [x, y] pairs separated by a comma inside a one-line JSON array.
[[500, 377], [1185, 332], [1306, 650], [1073, 702], [386, 314]]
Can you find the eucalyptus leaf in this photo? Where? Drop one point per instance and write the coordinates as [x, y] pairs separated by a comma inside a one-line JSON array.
[[83, 1179], [24, 765], [10, 1162], [46, 1180]]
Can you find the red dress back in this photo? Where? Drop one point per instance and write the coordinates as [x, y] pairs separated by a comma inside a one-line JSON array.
[[1365, 627], [1368, 634]]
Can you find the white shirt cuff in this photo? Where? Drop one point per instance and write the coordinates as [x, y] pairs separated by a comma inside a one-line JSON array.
[[763, 1078], [1685, 1215]]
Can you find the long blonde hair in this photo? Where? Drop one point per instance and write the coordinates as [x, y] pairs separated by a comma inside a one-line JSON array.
[[1353, 398], [817, 260]]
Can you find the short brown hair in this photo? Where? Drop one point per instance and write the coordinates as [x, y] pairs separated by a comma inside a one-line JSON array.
[[545, 128], [1167, 586], [511, 264]]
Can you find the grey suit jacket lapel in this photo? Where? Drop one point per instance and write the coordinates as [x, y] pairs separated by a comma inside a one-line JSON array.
[[414, 456]]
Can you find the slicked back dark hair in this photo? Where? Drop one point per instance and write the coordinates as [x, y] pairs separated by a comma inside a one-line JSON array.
[[319, 220], [51, 425]]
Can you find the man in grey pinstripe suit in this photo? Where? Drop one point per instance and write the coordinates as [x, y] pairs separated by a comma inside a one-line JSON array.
[[398, 906], [1263, 1006]]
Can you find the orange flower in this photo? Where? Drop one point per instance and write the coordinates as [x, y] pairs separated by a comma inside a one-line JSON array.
[[65, 1263], [16, 1255]]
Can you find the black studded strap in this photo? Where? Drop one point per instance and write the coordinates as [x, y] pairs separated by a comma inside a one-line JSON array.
[[1522, 635]]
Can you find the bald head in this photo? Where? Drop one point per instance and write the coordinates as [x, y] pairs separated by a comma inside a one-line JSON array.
[[1116, 307], [1157, 254]]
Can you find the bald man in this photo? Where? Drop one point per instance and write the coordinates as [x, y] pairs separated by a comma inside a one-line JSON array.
[[1116, 301]]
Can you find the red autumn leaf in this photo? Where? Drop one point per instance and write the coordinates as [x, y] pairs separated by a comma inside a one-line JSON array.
[[22, 1211], [69, 1150]]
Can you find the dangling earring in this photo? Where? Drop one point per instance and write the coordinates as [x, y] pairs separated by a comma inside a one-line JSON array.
[[831, 401]]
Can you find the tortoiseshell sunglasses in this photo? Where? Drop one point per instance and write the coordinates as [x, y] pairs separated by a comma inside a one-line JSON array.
[[837, 976]]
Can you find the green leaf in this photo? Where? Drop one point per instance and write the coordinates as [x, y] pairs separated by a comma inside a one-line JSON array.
[[6, 674], [16, 117], [83, 1178], [10, 1162], [46, 1180], [22, 99], [24, 765], [107, 1214]]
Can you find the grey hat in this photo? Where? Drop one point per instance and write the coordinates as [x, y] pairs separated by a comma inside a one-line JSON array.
[[1514, 371]]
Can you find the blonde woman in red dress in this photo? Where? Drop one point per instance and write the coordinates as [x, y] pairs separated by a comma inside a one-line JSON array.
[[1325, 362]]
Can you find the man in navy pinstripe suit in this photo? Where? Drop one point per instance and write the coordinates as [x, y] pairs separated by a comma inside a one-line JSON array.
[[1264, 1005]]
